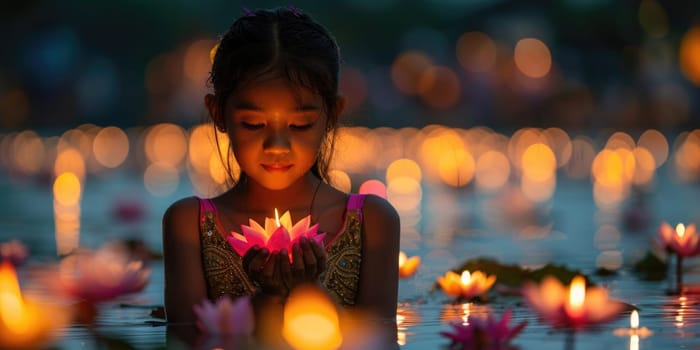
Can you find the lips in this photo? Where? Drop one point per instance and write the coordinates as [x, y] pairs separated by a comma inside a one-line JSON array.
[[276, 167]]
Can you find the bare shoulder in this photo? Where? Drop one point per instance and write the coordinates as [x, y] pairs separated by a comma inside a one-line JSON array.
[[181, 214], [380, 216]]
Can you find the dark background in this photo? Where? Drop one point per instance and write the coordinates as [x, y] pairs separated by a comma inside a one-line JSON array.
[[64, 63]]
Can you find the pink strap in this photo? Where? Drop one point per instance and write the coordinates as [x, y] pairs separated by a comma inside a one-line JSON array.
[[355, 201], [206, 205]]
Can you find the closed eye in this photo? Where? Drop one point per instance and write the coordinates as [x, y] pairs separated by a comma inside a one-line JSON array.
[[252, 126], [301, 127]]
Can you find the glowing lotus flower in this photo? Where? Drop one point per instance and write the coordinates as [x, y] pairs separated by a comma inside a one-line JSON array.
[[26, 322], [483, 333], [573, 307], [13, 251], [278, 234], [467, 286], [682, 240], [100, 275], [225, 317], [408, 266]]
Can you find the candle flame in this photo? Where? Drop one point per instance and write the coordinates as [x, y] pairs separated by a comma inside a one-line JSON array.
[[277, 218], [402, 258], [577, 292], [680, 230], [12, 308], [466, 277], [634, 319]]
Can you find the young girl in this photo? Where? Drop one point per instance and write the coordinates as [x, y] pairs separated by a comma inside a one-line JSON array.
[[275, 80]]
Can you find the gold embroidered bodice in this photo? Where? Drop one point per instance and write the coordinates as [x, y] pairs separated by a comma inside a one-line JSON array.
[[224, 272]]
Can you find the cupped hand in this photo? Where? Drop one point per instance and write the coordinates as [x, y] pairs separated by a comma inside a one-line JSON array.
[[263, 267], [308, 262]]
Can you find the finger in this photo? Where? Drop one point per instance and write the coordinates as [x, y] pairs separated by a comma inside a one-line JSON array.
[[249, 255], [297, 257], [285, 268], [259, 261], [321, 256], [310, 263], [268, 270]]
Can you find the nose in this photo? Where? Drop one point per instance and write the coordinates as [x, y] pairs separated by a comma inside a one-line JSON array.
[[277, 141]]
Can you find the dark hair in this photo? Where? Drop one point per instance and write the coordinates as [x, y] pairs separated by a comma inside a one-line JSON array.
[[287, 42]]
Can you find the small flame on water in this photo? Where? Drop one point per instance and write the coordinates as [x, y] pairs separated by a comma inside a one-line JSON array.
[[680, 230]]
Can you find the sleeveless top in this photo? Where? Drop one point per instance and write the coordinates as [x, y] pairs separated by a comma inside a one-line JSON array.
[[223, 270]]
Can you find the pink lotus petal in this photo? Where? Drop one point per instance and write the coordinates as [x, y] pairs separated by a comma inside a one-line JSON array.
[[300, 228], [240, 245], [270, 225], [225, 317], [279, 240], [319, 238], [254, 237]]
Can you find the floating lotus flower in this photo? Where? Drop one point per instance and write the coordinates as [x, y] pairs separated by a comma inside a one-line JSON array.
[[278, 234], [26, 323], [467, 286], [408, 266], [13, 251], [96, 276], [575, 307], [682, 240], [483, 332], [225, 317]]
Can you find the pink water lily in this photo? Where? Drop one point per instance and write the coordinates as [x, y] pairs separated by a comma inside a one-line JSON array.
[[101, 275], [13, 251], [683, 240], [277, 234], [484, 333], [225, 317]]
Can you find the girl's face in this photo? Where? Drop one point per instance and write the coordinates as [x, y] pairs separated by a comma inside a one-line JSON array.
[[276, 130]]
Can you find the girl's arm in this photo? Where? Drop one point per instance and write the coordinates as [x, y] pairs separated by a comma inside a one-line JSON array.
[[185, 285], [379, 271]]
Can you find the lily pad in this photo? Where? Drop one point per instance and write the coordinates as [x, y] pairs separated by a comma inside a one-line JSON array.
[[651, 268], [512, 275]]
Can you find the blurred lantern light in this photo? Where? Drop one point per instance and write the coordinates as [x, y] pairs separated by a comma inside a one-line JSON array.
[[69, 160], [340, 180], [582, 155], [373, 186], [655, 142], [456, 167], [620, 140], [689, 55], [492, 170], [405, 194], [476, 52], [538, 163], [67, 189], [311, 320], [439, 87], [161, 179], [532, 57], [110, 147], [403, 167], [196, 63], [28, 152], [407, 70], [166, 143]]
